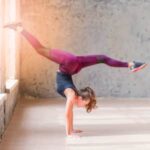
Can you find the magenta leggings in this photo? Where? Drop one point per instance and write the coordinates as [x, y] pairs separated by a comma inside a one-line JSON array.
[[72, 64]]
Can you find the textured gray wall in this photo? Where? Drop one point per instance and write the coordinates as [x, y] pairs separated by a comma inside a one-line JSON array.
[[118, 28]]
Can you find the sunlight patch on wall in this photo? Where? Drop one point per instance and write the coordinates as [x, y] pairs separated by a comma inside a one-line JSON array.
[[10, 40], [2, 69]]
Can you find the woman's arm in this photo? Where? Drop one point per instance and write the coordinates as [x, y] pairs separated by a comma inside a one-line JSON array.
[[69, 117], [70, 95]]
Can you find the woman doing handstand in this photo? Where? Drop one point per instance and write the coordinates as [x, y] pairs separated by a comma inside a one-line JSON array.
[[69, 65]]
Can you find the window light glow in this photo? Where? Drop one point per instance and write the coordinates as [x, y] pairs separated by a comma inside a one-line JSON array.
[[11, 37], [1, 47]]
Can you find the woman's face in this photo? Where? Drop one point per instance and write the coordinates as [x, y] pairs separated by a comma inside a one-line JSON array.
[[82, 102]]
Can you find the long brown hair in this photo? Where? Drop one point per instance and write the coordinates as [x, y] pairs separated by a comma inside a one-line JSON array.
[[88, 93]]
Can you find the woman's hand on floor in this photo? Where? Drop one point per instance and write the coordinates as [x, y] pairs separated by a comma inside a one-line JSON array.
[[77, 131]]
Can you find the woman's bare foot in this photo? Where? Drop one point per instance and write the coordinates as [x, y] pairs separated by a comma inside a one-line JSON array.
[[17, 26]]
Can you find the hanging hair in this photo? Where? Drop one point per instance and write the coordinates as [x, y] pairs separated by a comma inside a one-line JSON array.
[[88, 94]]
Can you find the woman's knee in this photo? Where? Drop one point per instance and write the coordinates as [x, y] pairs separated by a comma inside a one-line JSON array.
[[102, 58]]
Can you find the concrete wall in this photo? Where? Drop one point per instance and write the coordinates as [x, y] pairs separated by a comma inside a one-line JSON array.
[[118, 28]]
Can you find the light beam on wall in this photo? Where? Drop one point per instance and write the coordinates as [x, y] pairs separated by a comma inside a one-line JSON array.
[[11, 36], [2, 72]]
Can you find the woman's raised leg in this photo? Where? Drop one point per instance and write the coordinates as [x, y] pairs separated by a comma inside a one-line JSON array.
[[55, 55], [96, 59], [42, 50]]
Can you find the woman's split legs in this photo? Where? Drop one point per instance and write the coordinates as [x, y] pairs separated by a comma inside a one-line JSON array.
[[86, 60]]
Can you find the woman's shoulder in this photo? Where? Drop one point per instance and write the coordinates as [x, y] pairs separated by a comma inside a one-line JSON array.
[[69, 92]]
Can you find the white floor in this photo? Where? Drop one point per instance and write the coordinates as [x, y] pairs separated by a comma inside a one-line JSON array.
[[117, 124]]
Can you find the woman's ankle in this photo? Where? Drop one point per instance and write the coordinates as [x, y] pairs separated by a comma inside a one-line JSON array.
[[130, 64], [19, 29]]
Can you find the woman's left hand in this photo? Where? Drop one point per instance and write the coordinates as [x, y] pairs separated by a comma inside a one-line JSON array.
[[77, 131]]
